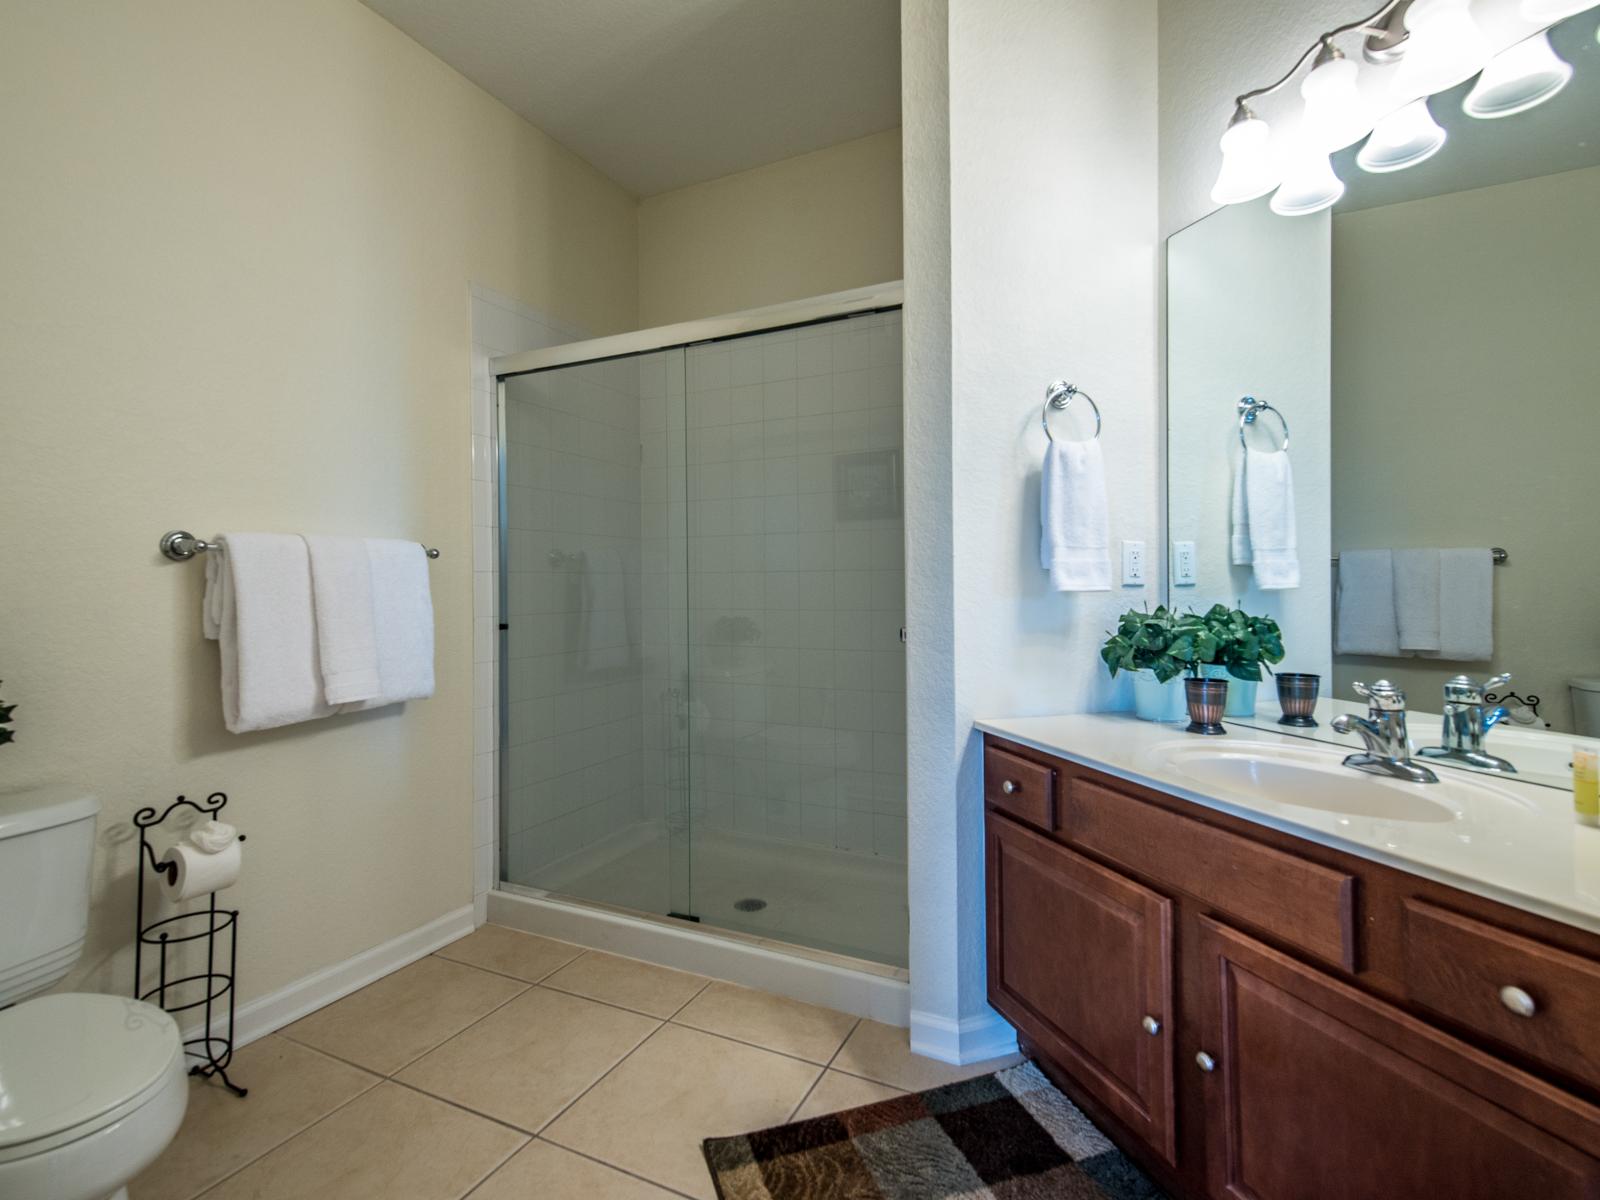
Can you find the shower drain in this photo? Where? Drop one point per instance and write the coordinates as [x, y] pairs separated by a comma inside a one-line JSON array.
[[750, 904]]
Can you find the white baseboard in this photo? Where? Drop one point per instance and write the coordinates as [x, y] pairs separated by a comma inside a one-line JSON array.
[[261, 1016], [969, 1040]]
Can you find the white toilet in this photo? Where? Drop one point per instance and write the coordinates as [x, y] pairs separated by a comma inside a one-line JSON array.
[[92, 1087], [1585, 706]]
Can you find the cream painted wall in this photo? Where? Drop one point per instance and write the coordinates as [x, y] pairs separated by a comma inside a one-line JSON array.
[[1031, 228], [237, 241], [1465, 413], [806, 226]]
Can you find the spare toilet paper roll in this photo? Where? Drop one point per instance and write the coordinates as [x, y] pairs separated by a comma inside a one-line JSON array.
[[200, 873]]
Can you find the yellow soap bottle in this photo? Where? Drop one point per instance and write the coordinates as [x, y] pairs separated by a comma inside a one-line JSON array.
[[1586, 785]]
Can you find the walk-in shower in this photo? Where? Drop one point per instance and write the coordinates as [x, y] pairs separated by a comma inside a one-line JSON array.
[[702, 594]]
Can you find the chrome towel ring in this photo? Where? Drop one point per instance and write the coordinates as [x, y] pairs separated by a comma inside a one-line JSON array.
[[1249, 409], [1057, 396]]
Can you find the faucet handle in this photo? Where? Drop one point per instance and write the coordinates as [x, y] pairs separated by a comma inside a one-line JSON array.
[[1381, 696], [1463, 689]]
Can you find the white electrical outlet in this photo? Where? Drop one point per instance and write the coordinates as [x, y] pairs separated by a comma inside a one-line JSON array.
[[1183, 564], [1132, 563]]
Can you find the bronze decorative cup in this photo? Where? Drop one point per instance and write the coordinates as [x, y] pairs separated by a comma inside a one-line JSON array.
[[1206, 698], [1297, 696]]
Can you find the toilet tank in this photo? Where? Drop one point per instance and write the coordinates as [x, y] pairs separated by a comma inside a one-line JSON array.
[[1586, 707], [46, 846]]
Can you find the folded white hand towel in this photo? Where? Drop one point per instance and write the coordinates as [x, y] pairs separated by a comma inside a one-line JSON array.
[[1466, 605], [1075, 538], [258, 609], [1366, 604], [341, 590], [213, 836], [402, 608], [1269, 500], [1239, 543], [1416, 599]]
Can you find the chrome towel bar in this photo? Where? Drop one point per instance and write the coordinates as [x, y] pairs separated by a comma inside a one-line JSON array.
[[1497, 553], [180, 546]]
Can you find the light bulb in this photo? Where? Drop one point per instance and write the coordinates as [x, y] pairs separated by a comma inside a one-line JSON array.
[[1309, 186], [1518, 78], [1551, 11], [1445, 46], [1404, 138], [1335, 115], [1247, 167]]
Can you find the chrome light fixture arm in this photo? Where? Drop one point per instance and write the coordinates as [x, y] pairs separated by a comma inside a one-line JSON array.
[[1325, 51]]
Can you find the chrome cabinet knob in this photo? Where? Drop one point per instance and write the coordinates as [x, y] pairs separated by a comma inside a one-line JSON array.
[[1518, 1001], [1206, 1062], [1011, 787], [1151, 1026]]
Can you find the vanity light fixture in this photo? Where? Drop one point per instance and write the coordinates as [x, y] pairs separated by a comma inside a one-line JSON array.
[[1551, 11], [1310, 185], [1437, 45], [1517, 79], [1248, 170], [1444, 48], [1404, 138]]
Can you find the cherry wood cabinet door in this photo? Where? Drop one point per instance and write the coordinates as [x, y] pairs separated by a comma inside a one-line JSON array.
[[1319, 1091], [1080, 960]]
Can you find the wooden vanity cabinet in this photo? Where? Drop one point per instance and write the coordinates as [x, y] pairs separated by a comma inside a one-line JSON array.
[[1256, 1017]]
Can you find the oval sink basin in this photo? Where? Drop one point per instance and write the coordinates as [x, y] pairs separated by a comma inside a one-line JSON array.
[[1315, 779]]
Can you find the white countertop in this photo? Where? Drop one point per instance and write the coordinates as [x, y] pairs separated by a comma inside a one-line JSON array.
[[1528, 851]]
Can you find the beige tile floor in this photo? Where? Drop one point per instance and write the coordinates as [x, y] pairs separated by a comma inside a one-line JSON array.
[[508, 1067]]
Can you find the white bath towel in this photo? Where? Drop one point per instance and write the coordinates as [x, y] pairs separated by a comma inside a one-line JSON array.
[[1366, 614], [341, 590], [1075, 537], [1269, 504], [258, 609], [402, 615], [1466, 605], [1416, 599], [1239, 542]]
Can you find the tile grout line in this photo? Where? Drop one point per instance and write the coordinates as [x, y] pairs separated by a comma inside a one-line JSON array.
[[826, 1067]]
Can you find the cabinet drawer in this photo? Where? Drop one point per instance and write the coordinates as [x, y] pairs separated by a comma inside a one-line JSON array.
[[1458, 966], [1302, 903], [1023, 789]]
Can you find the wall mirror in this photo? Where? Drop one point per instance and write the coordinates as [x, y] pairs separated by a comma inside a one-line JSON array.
[[1429, 341]]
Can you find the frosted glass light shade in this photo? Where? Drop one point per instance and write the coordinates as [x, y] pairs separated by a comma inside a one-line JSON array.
[[1404, 138], [1518, 78], [1335, 115], [1248, 170], [1310, 185], [1551, 11], [1445, 46]]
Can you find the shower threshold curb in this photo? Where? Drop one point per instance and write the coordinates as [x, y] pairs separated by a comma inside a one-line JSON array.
[[860, 988]]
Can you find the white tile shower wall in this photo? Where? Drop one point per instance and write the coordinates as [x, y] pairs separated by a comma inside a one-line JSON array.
[[500, 325], [574, 648], [796, 585]]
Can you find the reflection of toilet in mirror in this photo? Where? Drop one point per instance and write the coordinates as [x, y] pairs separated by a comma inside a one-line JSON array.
[[1586, 706], [94, 1086]]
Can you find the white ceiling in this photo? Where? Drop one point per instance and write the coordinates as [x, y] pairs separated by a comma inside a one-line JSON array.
[[659, 94]]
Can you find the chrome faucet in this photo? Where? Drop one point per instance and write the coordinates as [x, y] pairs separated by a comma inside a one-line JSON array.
[[1467, 723], [1383, 730]]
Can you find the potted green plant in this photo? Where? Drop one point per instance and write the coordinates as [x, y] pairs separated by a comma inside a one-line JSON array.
[[6, 734], [1195, 646], [1245, 644], [1140, 646]]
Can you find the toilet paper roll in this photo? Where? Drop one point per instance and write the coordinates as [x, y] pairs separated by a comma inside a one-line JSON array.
[[199, 873]]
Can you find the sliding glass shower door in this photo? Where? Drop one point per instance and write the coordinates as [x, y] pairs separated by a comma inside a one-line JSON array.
[[703, 670], [594, 679]]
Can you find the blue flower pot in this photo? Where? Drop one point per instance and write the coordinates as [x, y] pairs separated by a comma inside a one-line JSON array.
[[1241, 692], [1155, 701]]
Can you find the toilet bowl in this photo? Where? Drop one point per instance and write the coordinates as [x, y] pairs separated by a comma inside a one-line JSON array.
[[92, 1088], [1585, 706]]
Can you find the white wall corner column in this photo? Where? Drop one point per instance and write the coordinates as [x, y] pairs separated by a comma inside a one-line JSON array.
[[1031, 254]]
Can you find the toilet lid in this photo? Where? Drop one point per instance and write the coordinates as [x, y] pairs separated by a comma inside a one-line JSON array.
[[69, 1058]]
